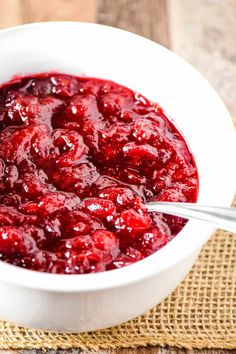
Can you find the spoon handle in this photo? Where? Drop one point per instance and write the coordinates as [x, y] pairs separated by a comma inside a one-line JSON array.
[[224, 218]]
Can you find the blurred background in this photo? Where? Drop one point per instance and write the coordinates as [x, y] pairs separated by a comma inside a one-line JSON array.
[[201, 31]]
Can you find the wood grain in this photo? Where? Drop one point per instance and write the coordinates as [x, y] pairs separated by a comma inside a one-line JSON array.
[[10, 13], [204, 33], [59, 10], [145, 17]]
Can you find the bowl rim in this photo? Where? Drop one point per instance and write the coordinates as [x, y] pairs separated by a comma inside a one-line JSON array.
[[137, 271]]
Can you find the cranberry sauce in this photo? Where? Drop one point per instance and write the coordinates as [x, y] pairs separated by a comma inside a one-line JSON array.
[[78, 159]]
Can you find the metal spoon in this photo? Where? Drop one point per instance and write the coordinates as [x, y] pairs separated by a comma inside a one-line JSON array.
[[225, 218]]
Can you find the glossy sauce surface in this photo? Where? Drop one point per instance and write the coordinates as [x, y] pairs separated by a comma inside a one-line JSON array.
[[78, 158]]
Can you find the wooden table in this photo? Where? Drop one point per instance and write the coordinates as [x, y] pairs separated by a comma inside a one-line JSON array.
[[201, 31]]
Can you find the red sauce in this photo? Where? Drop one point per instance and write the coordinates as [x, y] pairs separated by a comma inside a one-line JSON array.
[[78, 158]]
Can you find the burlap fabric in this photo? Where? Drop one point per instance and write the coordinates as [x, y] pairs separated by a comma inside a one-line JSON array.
[[200, 313]]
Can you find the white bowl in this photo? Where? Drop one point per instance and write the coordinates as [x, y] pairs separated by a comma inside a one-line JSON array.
[[94, 301]]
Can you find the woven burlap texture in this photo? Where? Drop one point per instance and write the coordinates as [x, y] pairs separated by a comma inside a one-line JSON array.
[[200, 313]]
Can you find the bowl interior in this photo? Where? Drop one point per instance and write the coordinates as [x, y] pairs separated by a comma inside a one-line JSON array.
[[161, 76]]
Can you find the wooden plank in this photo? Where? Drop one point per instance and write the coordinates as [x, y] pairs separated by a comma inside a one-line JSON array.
[[204, 33], [59, 10], [145, 17], [148, 18], [167, 350], [10, 13]]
